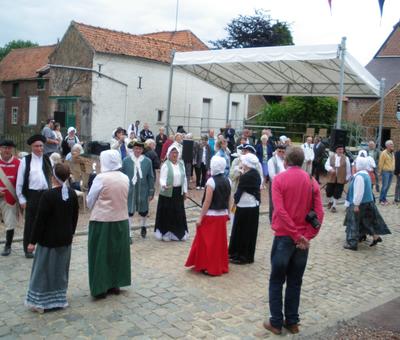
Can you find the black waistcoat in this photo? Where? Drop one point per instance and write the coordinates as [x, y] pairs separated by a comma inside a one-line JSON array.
[[221, 194], [47, 170]]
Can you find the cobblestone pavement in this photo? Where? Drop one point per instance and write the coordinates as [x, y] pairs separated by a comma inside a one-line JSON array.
[[166, 300]]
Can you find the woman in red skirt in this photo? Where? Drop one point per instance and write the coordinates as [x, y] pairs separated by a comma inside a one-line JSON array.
[[209, 252]]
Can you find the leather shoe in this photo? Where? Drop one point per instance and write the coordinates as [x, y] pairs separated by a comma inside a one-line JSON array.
[[143, 232], [100, 296], [6, 251], [349, 247], [375, 242], [29, 255], [330, 205], [271, 328], [294, 329], [362, 238], [333, 210], [114, 290]]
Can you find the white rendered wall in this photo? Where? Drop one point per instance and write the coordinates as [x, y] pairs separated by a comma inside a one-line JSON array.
[[110, 98]]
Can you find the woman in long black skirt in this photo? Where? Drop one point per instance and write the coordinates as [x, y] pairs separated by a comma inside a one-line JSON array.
[[171, 217], [52, 234], [242, 245]]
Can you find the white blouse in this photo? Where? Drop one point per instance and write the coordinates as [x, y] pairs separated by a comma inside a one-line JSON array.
[[177, 176]]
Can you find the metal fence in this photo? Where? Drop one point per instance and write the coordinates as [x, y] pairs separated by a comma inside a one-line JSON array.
[[19, 139]]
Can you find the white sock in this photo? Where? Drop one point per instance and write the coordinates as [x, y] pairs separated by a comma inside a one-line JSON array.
[[130, 226], [334, 203], [144, 221]]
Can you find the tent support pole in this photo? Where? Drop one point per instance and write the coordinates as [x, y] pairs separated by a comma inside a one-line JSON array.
[[342, 51], [171, 74], [228, 105], [381, 109]]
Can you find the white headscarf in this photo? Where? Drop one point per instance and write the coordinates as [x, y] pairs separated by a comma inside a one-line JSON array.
[[217, 165], [362, 163], [249, 160], [283, 139], [362, 153], [110, 160], [64, 188], [172, 147]]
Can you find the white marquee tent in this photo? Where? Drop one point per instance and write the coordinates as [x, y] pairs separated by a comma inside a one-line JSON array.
[[281, 70], [322, 70]]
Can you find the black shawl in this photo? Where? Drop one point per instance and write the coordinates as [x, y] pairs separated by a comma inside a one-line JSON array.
[[249, 182]]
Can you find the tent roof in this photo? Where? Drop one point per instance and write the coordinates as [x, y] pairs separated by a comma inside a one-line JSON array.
[[281, 70]]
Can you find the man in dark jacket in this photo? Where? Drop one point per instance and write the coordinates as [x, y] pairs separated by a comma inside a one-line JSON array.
[[202, 158], [34, 178], [319, 152]]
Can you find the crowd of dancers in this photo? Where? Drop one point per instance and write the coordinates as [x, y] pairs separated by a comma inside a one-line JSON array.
[[232, 174]]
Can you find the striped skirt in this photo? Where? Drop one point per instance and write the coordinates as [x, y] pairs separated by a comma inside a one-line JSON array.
[[49, 278]]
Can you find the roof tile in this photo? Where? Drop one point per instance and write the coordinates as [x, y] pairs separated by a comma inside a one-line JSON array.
[[22, 63], [154, 46]]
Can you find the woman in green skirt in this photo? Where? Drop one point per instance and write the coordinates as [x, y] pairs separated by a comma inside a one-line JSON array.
[[108, 244]]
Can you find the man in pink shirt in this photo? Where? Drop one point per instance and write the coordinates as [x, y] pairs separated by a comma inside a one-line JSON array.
[[294, 194]]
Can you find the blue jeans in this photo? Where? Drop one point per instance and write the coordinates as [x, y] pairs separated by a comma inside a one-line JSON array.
[[386, 181], [287, 264]]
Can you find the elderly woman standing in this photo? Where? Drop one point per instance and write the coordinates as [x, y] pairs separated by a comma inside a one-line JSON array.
[[171, 218], [209, 252], [52, 232], [243, 239], [108, 242], [75, 166], [362, 216], [264, 152]]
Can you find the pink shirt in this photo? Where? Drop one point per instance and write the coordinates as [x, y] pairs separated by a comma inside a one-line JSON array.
[[291, 195]]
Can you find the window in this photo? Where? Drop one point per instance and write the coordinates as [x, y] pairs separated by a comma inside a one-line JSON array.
[[160, 114], [40, 84], [235, 113], [205, 117], [15, 90], [14, 115], [33, 108]]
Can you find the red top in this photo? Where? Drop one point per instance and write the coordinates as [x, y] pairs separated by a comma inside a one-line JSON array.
[[291, 194], [164, 149], [10, 168]]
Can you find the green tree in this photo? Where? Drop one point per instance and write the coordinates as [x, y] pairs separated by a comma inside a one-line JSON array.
[[15, 44], [303, 110], [258, 30]]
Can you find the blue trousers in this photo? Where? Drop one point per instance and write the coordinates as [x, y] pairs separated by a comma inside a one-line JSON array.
[[287, 264], [386, 181]]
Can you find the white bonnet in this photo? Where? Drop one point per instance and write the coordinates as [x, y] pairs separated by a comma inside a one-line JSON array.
[[110, 160], [218, 165], [250, 160]]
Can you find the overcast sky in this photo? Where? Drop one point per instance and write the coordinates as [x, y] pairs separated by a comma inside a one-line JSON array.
[[311, 20]]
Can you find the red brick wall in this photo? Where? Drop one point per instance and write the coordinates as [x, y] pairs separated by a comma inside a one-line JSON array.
[[371, 116], [26, 88], [355, 107]]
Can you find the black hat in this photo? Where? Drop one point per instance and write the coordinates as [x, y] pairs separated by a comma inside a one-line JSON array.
[[132, 144], [36, 138], [118, 130], [249, 148], [338, 146], [7, 142]]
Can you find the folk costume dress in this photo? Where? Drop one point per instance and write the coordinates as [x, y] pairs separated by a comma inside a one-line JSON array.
[[171, 222], [242, 244], [209, 251], [141, 185], [52, 232], [108, 242], [368, 221]]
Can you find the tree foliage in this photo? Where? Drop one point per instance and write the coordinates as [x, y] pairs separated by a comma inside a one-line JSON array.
[[311, 110], [15, 44], [258, 30]]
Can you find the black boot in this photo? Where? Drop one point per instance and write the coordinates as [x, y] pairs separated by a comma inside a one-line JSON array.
[[143, 232], [7, 246]]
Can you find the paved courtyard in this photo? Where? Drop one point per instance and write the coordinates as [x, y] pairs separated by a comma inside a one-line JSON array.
[[166, 300]]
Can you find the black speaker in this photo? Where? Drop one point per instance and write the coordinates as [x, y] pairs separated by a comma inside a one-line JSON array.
[[338, 137], [187, 151], [96, 148]]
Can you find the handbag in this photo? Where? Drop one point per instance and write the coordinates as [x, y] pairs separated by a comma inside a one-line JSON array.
[[312, 217]]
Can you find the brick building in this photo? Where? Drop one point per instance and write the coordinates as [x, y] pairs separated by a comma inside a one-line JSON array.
[[25, 93], [365, 111]]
